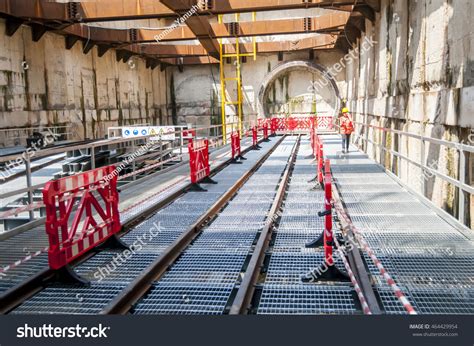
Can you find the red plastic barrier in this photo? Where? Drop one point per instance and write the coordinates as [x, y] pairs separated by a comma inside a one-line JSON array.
[[235, 145], [70, 232], [273, 126], [301, 123], [199, 160], [254, 136], [328, 235], [265, 131]]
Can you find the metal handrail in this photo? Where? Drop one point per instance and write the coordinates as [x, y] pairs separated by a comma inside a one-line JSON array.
[[459, 183], [91, 146]]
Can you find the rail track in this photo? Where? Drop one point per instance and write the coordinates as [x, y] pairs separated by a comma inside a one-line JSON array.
[[239, 248], [171, 219]]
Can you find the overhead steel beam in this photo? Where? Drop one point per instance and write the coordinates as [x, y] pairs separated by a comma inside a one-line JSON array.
[[323, 24], [331, 23], [199, 26], [115, 10], [87, 11], [321, 42], [190, 60]]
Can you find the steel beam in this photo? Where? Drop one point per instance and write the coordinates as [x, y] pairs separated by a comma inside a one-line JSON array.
[[331, 23], [114, 10], [199, 26], [321, 42]]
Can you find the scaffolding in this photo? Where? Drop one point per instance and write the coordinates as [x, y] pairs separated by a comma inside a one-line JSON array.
[[237, 55]]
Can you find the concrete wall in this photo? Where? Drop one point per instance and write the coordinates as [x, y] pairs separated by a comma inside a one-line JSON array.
[[197, 89], [419, 78], [43, 84]]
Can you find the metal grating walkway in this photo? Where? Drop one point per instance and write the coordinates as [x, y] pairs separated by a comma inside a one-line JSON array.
[[109, 274], [283, 292], [204, 278], [430, 259]]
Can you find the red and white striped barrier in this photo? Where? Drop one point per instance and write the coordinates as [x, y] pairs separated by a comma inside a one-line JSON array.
[[199, 160], [66, 240], [360, 295], [396, 290]]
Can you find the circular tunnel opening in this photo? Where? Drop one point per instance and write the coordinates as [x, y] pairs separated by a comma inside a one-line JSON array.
[[298, 88]]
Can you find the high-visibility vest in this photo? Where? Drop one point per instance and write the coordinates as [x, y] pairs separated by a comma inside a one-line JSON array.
[[347, 126]]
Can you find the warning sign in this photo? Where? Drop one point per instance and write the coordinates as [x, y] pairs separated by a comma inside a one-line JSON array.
[[165, 133]]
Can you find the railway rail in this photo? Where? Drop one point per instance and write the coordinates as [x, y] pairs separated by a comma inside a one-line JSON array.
[[239, 248], [170, 220]]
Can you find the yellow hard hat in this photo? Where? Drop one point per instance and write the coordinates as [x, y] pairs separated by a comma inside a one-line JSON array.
[[345, 110]]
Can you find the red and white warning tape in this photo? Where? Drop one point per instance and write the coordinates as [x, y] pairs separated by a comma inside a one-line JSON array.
[[396, 290], [360, 295], [20, 262]]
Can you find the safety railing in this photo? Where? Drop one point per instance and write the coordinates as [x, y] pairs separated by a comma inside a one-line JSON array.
[[143, 156], [299, 124], [464, 191]]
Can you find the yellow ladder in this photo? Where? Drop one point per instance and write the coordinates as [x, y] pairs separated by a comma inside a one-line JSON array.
[[238, 78]]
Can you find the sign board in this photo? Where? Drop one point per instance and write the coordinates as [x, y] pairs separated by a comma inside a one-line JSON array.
[[166, 133]]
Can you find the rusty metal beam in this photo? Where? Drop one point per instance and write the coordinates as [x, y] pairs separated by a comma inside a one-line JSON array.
[[320, 42], [88, 11], [190, 60], [113, 10], [200, 27], [331, 23], [323, 24]]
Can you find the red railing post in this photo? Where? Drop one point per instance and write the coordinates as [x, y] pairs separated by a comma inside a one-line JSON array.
[[320, 163], [255, 137], [235, 146], [265, 131], [328, 235], [273, 125]]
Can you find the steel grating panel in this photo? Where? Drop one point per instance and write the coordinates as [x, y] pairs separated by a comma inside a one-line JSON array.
[[308, 299], [305, 196], [391, 304], [362, 180], [410, 239], [185, 299], [292, 241], [17, 275], [223, 242], [377, 197], [397, 222], [422, 271], [186, 208], [113, 267], [370, 188], [257, 221], [444, 302], [357, 168], [394, 208], [63, 299], [287, 268]]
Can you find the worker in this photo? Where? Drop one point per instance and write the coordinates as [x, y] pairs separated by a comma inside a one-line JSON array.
[[346, 128]]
